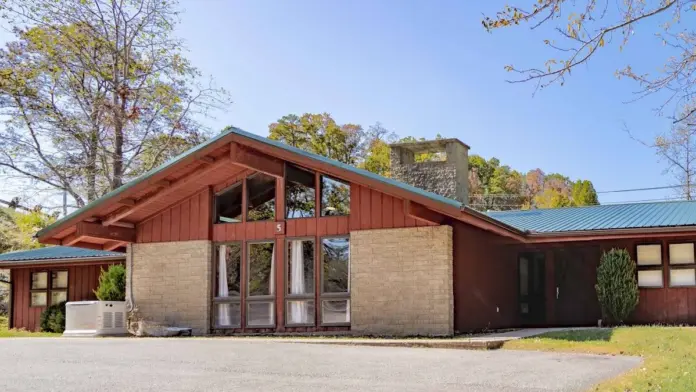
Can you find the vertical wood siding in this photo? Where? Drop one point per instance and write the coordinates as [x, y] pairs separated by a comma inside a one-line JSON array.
[[82, 280], [187, 220]]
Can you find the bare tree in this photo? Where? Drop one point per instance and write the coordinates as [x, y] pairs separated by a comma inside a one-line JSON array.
[[677, 148], [97, 92], [583, 28]]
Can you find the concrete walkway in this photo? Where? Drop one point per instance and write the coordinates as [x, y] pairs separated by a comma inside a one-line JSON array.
[[484, 341]]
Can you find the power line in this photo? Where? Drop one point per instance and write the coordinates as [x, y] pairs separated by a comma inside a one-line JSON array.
[[643, 189]]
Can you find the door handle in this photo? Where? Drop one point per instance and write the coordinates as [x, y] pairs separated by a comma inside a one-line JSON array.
[[557, 292]]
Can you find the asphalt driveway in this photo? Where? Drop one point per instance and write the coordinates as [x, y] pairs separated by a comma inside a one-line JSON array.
[[62, 364]]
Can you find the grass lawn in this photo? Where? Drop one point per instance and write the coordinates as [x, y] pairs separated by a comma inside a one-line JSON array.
[[669, 354], [18, 333]]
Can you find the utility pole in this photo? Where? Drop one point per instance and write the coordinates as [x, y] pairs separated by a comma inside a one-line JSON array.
[[65, 203]]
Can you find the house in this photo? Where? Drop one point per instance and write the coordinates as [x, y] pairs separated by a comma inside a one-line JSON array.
[[243, 234], [46, 276]]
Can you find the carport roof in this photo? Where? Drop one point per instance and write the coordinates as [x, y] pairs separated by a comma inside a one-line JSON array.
[[601, 217]]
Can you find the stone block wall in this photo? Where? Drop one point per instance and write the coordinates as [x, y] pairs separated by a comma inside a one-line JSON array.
[[171, 282], [402, 282]]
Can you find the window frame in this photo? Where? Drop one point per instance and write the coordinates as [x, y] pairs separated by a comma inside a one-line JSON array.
[[320, 187], [287, 297], [319, 307], [317, 190], [215, 219], [260, 298], [223, 300], [655, 267], [682, 266], [49, 286], [246, 198]]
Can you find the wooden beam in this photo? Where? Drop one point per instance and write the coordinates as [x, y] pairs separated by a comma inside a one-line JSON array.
[[129, 201], [111, 245], [254, 160], [207, 159], [422, 213], [174, 186], [89, 245], [163, 183], [72, 239], [110, 233]]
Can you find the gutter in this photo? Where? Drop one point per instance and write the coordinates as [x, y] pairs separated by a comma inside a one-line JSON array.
[[587, 235]]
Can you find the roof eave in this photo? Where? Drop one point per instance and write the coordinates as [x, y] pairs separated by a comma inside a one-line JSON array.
[[75, 260], [589, 235]]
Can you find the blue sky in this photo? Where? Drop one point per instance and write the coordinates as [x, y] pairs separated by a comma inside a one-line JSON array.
[[423, 68]]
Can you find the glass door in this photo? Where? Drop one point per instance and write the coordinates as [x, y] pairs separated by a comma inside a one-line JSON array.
[[532, 298]]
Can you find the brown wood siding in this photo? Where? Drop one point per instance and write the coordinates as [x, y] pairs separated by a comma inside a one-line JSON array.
[[189, 219], [82, 280], [485, 280], [671, 305]]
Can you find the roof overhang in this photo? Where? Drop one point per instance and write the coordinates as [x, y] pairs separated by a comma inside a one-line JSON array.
[[65, 261], [599, 235]]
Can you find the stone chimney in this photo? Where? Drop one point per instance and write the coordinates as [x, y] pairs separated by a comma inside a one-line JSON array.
[[447, 175]]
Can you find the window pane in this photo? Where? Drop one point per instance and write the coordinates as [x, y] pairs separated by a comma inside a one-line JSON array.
[[682, 277], [39, 280], [58, 297], [38, 299], [524, 276], [650, 278], [261, 197], [228, 315], [649, 254], [300, 267], [260, 280], [681, 253], [335, 265], [228, 275], [228, 205], [335, 197], [300, 312], [335, 311], [300, 195], [59, 279], [260, 314]]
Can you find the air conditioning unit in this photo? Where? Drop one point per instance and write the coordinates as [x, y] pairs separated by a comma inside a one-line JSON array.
[[95, 318]]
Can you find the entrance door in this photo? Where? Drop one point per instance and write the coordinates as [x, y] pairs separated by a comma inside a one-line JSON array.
[[575, 271], [532, 299]]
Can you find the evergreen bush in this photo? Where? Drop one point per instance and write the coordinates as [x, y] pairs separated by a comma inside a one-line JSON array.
[[112, 284], [617, 289], [53, 318]]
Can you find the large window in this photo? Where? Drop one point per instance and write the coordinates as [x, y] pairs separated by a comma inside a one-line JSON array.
[[260, 284], [335, 197], [227, 302], [228, 205], [682, 271], [261, 190], [335, 280], [649, 261], [300, 305], [45, 291], [300, 193]]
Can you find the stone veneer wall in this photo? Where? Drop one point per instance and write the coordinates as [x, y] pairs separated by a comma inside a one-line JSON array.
[[402, 282], [436, 177], [171, 282]]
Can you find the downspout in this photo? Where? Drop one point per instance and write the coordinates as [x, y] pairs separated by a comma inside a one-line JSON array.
[[130, 298]]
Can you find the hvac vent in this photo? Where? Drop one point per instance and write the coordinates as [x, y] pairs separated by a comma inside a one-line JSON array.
[[95, 318]]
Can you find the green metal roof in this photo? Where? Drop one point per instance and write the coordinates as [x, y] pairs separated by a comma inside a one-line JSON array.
[[136, 181], [55, 253], [237, 131], [602, 217]]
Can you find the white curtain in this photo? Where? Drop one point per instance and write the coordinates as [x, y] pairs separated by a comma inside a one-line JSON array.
[[271, 279], [298, 309], [223, 289]]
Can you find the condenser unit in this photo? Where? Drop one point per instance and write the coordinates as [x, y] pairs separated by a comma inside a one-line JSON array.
[[95, 318]]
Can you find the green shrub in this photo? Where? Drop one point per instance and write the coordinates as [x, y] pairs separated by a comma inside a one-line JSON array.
[[53, 318], [112, 284], [617, 289]]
